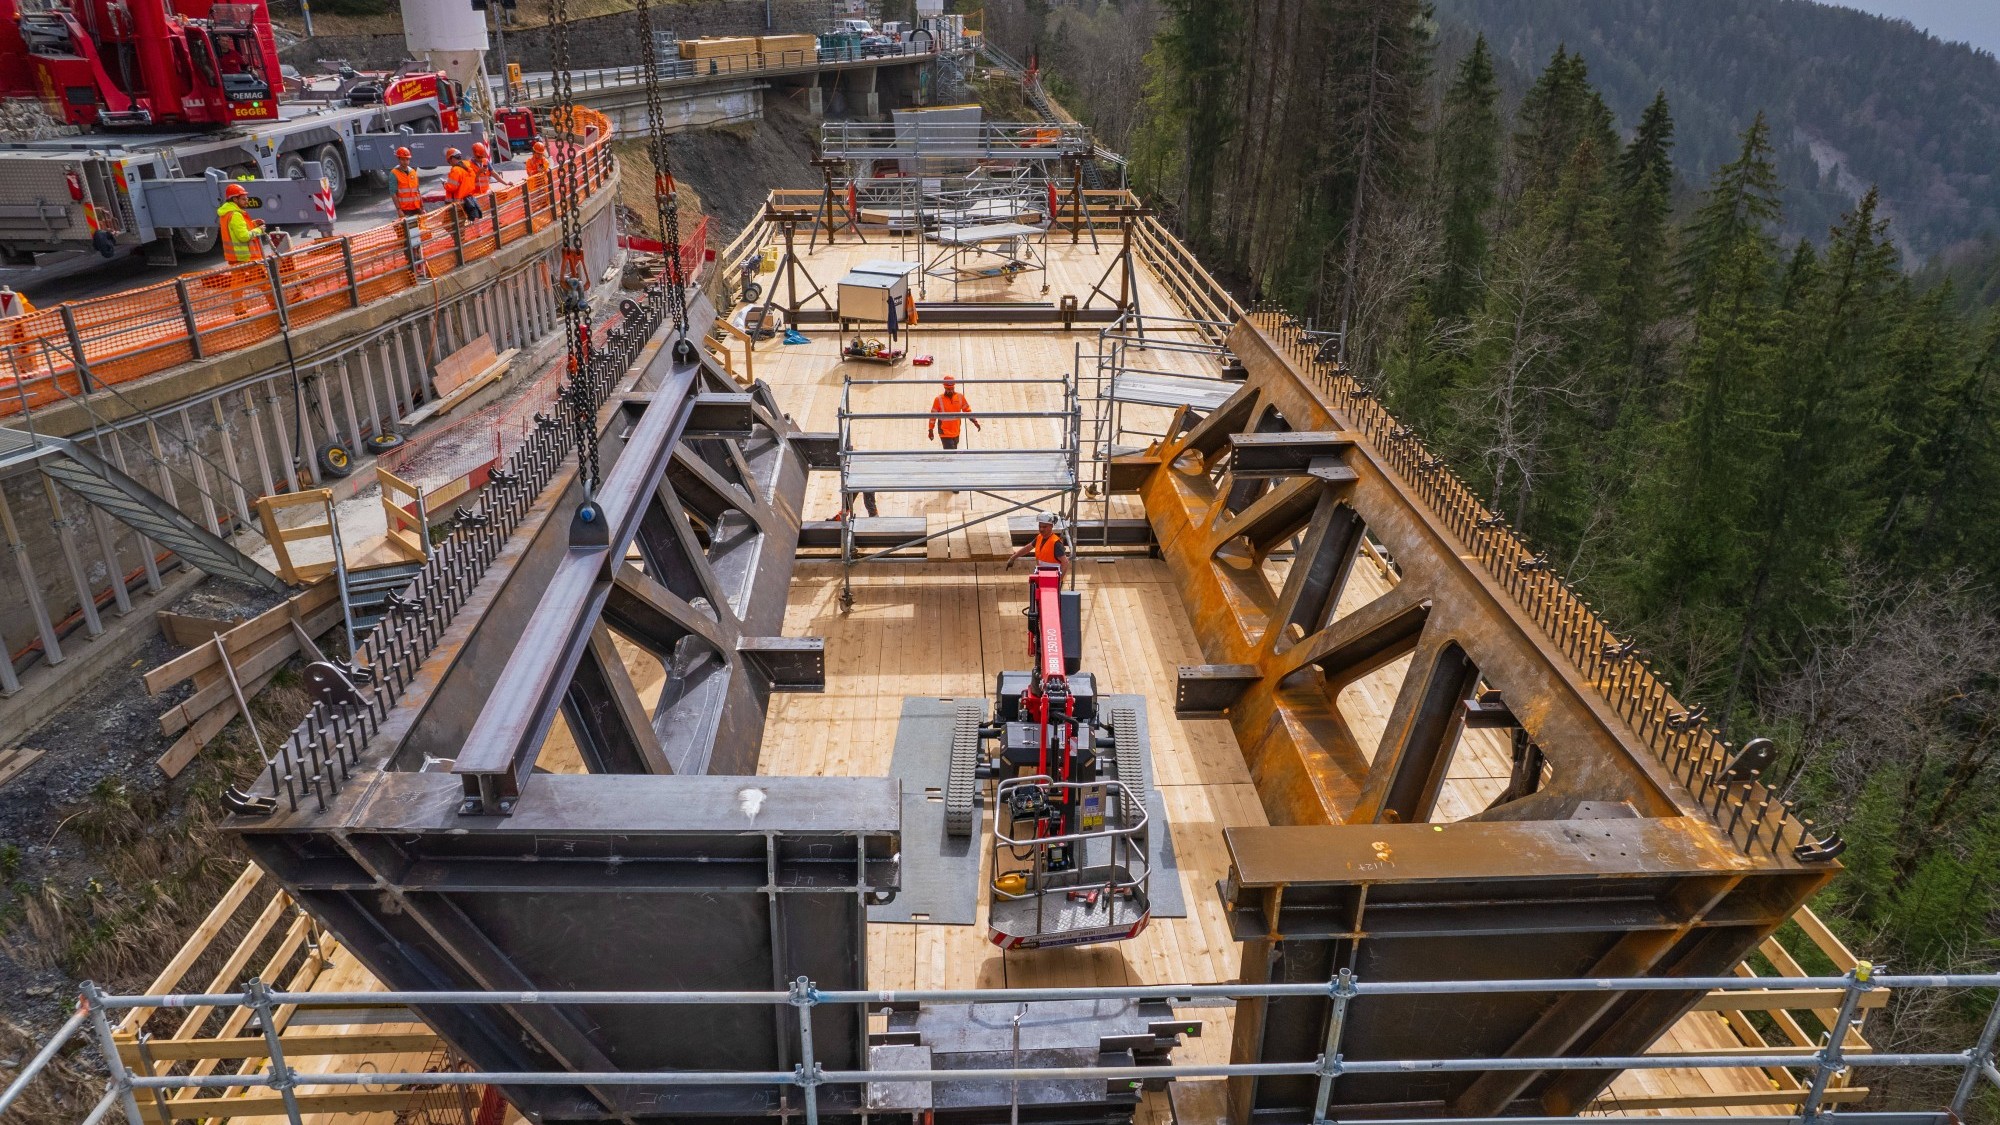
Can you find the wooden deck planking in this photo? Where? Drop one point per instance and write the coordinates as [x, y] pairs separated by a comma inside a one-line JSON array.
[[948, 624]]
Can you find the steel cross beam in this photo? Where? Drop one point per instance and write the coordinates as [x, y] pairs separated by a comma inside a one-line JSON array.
[[1618, 849], [445, 853]]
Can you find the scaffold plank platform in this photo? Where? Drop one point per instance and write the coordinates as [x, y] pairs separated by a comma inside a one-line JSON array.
[[963, 470], [1149, 389]]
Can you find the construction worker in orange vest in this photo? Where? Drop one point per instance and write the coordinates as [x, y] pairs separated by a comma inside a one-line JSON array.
[[409, 195], [482, 168], [949, 412], [14, 310], [242, 243], [538, 160], [1047, 546], [461, 184], [242, 236]]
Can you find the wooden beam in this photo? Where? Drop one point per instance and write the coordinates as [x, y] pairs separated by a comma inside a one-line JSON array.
[[298, 1044], [1773, 999], [1736, 1098], [243, 637], [266, 656], [268, 1104], [196, 945], [187, 632]]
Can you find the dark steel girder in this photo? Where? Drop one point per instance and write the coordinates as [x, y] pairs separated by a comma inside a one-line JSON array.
[[667, 865]]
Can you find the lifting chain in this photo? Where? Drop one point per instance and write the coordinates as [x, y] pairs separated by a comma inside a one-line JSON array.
[[664, 190], [579, 396]]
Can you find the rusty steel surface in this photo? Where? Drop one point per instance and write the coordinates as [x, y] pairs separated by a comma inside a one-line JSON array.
[[1619, 847]]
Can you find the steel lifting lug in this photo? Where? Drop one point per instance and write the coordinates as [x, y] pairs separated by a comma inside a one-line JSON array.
[[329, 685], [589, 527]]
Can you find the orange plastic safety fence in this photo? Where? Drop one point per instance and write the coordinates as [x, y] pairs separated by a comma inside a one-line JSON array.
[[205, 313]]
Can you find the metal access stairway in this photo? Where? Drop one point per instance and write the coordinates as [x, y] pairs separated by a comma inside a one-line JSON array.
[[135, 506], [1089, 166]]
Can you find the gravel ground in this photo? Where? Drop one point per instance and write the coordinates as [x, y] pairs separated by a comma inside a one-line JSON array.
[[102, 747]]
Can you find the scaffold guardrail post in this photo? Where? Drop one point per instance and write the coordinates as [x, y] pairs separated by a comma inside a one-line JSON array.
[[1830, 1061], [1342, 989], [121, 1079], [808, 1074], [283, 1078], [1979, 1061]]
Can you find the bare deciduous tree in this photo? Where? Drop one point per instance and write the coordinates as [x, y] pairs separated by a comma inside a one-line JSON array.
[[1531, 301]]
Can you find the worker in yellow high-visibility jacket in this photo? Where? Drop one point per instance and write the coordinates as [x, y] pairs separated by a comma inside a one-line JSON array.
[[242, 243], [242, 236]]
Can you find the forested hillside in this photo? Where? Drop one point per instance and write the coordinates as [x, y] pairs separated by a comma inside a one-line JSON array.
[[1853, 99], [1774, 459]]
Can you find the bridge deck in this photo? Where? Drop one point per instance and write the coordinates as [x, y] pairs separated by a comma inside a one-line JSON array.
[[946, 627]]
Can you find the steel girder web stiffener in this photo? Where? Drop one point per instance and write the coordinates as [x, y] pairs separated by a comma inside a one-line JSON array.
[[445, 858], [1624, 843]]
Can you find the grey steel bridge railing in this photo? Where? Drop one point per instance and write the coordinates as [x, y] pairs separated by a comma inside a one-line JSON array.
[[123, 1088]]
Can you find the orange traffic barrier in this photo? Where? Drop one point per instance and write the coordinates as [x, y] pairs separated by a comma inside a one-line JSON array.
[[206, 313]]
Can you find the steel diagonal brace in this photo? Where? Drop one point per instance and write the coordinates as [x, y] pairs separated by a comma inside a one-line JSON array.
[[506, 738]]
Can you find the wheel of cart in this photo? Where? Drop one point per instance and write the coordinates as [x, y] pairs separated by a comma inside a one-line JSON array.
[[1078, 888]]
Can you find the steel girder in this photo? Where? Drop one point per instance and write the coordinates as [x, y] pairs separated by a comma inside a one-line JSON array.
[[444, 858], [1598, 860]]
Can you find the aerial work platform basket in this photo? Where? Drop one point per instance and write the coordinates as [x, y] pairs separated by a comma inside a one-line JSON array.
[[1077, 888]]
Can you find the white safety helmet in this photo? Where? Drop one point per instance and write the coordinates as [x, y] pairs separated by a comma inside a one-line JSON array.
[[1045, 519]]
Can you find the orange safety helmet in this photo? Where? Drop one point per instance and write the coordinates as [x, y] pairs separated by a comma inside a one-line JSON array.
[[452, 154], [948, 380], [235, 191], [402, 154], [479, 149], [541, 148]]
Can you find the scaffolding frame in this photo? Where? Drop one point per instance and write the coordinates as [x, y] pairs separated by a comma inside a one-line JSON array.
[[1121, 375], [961, 248], [1824, 1063], [902, 467]]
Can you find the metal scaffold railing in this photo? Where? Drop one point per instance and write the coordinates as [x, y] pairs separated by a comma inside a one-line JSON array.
[[1042, 470], [1155, 365], [1819, 1066]]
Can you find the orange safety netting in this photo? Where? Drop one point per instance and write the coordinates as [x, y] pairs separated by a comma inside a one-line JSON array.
[[206, 313]]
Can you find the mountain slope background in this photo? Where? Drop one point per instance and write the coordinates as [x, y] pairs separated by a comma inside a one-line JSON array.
[[1854, 99]]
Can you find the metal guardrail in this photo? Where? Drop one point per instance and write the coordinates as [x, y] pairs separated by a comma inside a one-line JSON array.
[[958, 140], [1328, 1067], [688, 72], [201, 315]]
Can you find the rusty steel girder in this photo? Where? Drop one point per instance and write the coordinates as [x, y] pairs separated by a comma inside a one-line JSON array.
[[1630, 840]]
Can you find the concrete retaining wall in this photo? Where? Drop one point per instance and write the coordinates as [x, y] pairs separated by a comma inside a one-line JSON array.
[[222, 431]]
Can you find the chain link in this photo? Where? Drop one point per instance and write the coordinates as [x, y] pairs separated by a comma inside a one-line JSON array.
[[579, 396], [665, 193]]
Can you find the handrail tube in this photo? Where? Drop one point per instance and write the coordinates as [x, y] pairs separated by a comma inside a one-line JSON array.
[[1052, 1074], [56, 1042], [1107, 992]]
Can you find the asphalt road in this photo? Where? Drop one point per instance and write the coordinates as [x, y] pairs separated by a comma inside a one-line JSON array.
[[55, 278]]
